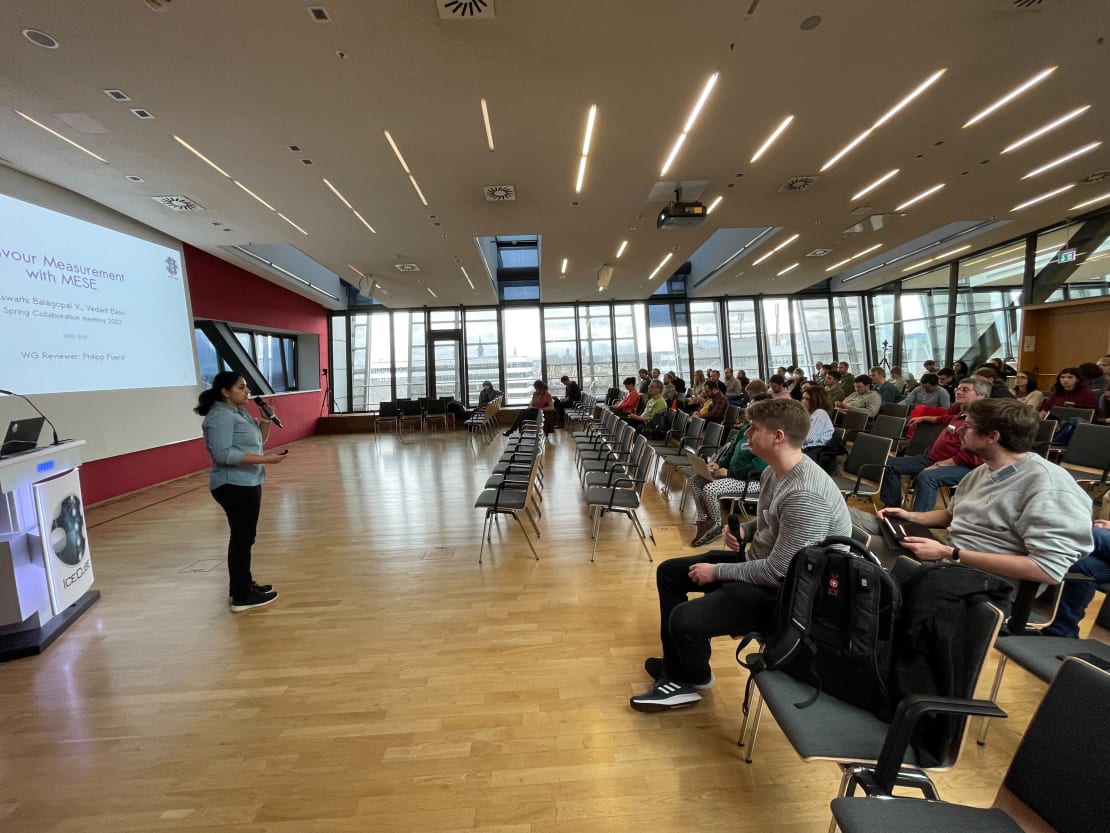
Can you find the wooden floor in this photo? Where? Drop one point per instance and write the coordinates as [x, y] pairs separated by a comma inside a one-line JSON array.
[[396, 685]]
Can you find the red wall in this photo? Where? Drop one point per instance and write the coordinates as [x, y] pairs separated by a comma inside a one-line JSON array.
[[222, 292]]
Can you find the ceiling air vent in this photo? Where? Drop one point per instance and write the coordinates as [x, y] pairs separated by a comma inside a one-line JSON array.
[[1023, 5], [134, 178], [117, 95], [797, 184], [818, 253], [319, 14], [178, 202], [142, 114], [406, 267], [465, 9], [499, 193]]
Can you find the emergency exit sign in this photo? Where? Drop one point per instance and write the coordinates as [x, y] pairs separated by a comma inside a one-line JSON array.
[[1066, 256]]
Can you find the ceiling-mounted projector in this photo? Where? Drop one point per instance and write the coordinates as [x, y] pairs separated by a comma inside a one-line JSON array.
[[681, 214]]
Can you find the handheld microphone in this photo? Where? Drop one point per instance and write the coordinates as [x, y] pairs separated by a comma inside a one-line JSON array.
[[267, 411], [37, 411]]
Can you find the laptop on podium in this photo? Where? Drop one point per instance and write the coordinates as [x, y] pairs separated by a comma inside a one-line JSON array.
[[23, 435]]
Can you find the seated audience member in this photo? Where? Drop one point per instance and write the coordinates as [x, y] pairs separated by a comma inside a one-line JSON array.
[[656, 405], [1100, 386], [999, 388], [796, 383], [832, 385], [571, 398], [742, 473], [1025, 390], [821, 428], [946, 377], [819, 373], [755, 388], [847, 380], [960, 371], [929, 392], [899, 381], [657, 375], [679, 384], [644, 380], [734, 388], [1003, 369], [1068, 392], [778, 389], [486, 395], [715, 378], [541, 401], [1076, 595], [946, 462], [799, 505], [1017, 515], [743, 377], [714, 403], [928, 366], [670, 392], [887, 392], [862, 398], [631, 398], [1090, 374]]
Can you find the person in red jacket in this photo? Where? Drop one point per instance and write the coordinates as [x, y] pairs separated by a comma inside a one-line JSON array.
[[631, 398], [946, 463], [1070, 391]]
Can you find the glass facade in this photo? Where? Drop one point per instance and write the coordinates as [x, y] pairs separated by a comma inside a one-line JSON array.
[[968, 308]]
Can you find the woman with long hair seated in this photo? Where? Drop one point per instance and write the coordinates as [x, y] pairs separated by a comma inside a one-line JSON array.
[[1070, 391], [1025, 389], [541, 401], [821, 428]]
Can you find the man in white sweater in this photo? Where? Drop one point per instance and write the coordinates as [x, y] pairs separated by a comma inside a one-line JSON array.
[[799, 505], [1017, 515]]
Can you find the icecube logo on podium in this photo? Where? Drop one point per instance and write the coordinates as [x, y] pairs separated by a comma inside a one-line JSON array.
[[65, 549]]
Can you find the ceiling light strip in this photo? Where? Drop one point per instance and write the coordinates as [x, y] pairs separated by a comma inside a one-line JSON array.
[[622, 247], [889, 114], [591, 117], [362, 220], [345, 201], [58, 135], [713, 205], [419, 193], [249, 191], [787, 269], [489, 131], [691, 119], [781, 245], [771, 139], [294, 225], [868, 189], [201, 156], [563, 268], [1048, 128], [919, 250], [662, 263], [273, 265], [1010, 96], [1091, 201], [856, 256], [397, 152], [465, 275], [1043, 197], [928, 192], [1067, 157], [732, 257]]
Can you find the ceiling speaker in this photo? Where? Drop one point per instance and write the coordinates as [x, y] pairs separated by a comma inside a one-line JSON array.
[[604, 275]]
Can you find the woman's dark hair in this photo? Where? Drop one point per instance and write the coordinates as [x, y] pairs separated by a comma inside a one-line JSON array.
[[1031, 380], [818, 399], [487, 384], [631, 380], [540, 385], [1080, 382], [960, 367], [220, 382], [1089, 372]]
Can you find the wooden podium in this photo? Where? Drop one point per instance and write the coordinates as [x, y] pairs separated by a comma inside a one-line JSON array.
[[45, 566]]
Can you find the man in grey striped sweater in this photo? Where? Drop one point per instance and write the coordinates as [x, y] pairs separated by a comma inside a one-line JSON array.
[[799, 505]]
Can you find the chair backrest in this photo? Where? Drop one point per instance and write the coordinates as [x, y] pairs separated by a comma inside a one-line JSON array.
[[1045, 433], [895, 409], [732, 413], [711, 438], [888, 426], [1059, 769], [1064, 414], [924, 435], [1089, 446], [867, 456], [613, 395], [436, 407], [388, 410], [850, 420], [411, 407], [695, 427]]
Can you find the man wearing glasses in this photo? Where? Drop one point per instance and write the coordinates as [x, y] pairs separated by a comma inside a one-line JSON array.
[[946, 462], [1017, 515]]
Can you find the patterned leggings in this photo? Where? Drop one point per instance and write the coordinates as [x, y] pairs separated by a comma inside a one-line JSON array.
[[706, 494]]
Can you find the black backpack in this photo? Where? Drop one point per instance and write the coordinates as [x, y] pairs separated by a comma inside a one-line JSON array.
[[836, 626], [930, 657]]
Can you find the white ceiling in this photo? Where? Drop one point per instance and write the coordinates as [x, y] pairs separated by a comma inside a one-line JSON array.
[[242, 80]]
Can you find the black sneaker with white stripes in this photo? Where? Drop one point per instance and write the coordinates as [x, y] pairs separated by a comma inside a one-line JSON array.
[[252, 600], [664, 696]]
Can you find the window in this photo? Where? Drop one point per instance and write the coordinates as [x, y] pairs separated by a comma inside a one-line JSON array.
[[743, 341], [483, 352], [705, 335], [560, 344], [274, 355], [410, 355], [628, 321], [595, 335], [776, 334], [210, 362], [340, 357], [669, 338], [848, 330], [371, 363], [812, 333], [522, 353], [925, 318]]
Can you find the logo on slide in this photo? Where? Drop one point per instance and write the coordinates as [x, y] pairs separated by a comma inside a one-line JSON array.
[[171, 267], [67, 532]]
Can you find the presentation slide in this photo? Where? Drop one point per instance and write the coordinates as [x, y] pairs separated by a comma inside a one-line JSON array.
[[85, 308]]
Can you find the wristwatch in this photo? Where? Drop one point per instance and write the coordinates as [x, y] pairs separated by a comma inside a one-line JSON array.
[[955, 554]]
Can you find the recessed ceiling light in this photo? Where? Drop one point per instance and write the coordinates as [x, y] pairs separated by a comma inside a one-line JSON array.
[[586, 139], [1091, 201], [693, 117], [1010, 96], [622, 247], [142, 113], [1067, 157], [926, 193], [117, 95], [1036, 134], [563, 268], [889, 114], [714, 204], [319, 14], [787, 269], [868, 189], [58, 135], [781, 245], [294, 148], [1043, 197], [40, 39], [771, 139], [489, 130], [662, 263]]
